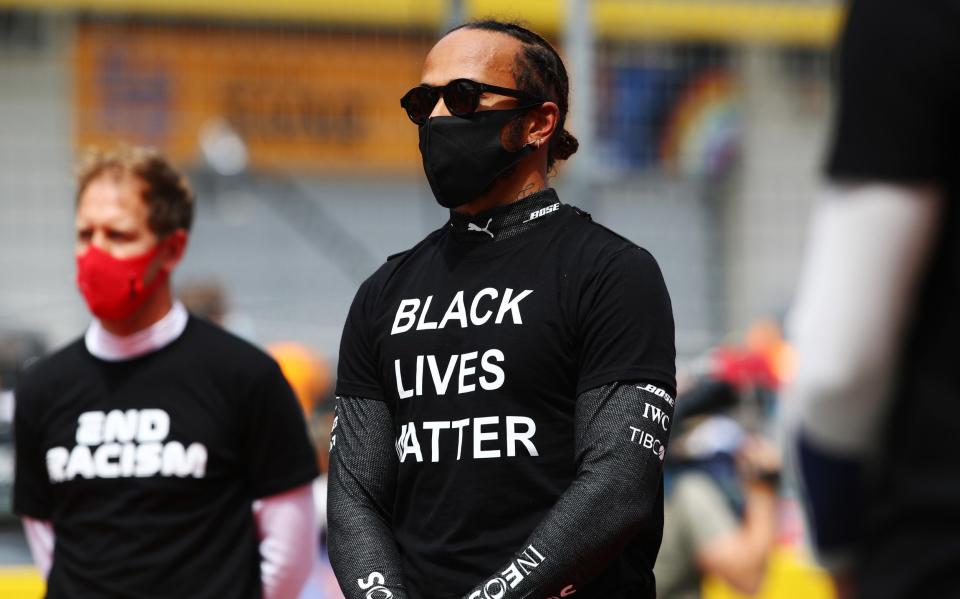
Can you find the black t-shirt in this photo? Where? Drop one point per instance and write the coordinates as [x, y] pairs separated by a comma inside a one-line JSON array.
[[148, 467], [899, 121], [479, 351]]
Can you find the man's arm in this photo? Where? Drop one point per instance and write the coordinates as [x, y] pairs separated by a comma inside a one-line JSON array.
[[31, 486], [738, 555], [288, 541], [281, 465], [621, 435], [40, 539], [360, 494], [869, 245], [287, 527]]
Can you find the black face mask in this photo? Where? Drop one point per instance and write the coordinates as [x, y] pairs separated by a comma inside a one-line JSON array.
[[463, 156]]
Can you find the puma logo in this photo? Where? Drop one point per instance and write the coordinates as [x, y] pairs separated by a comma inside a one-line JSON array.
[[485, 229]]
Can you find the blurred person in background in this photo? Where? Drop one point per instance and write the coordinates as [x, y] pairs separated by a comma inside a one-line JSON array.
[[208, 299], [505, 387], [205, 299], [309, 377], [876, 401], [157, 456], [721, 505]]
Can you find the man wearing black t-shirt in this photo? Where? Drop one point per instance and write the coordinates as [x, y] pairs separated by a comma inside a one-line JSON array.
[[876, 323], [157, 456], [505, 387]]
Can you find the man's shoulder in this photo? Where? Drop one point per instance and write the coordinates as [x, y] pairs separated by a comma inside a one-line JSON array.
[[49, 377], [701, 503], [424, 245], [64, 362], [696, 486], [601, 245], [396, 263], [225, 349], [591, 231]]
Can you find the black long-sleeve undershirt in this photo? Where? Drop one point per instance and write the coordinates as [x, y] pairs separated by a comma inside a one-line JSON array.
[[611, 501], [620, 429], [360, 491]]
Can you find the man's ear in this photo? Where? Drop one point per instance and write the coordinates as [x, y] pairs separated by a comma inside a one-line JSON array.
[[542, 124], [172, 248]]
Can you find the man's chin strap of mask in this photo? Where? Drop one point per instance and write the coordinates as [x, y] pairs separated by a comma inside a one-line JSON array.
[[464, 156]]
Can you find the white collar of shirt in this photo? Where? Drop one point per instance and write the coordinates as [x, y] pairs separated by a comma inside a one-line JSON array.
[[115, 348]]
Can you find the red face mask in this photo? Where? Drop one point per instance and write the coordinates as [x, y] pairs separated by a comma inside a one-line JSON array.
[[114, 288]]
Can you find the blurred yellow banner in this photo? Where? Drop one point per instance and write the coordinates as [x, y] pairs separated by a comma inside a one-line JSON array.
[[21, 582], [789, 576], [355, 12], [299, 99], [737, 21]]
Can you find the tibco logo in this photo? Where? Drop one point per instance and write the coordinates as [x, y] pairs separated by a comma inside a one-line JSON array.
[[647, 441], [374, 592]]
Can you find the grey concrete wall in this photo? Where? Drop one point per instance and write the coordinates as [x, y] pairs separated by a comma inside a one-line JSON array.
[[769, 204], [36, 220]]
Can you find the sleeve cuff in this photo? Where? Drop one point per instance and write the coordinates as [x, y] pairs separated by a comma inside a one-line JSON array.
[[293, 479], [351, 389], [663, 378]]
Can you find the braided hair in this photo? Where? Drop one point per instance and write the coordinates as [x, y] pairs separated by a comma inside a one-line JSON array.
[[539, 72]]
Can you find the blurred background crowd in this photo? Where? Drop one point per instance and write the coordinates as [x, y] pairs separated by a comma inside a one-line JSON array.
[[702, 126]]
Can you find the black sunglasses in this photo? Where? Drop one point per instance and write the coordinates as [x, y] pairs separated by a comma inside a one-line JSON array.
[[462, 96]]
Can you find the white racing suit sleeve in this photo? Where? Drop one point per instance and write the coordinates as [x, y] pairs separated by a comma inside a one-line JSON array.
[[621, 434], [360, 494], [287, 527], [40, 539], [285, 523], [868, 247]]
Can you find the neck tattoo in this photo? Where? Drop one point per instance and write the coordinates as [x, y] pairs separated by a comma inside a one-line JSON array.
[[527, 191]]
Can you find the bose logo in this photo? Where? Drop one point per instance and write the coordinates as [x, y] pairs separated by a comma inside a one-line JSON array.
[[543, 211], [658, 392], [377, 592]]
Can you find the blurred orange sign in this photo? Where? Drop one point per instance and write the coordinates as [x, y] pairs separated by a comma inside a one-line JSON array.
[[300, 99]]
